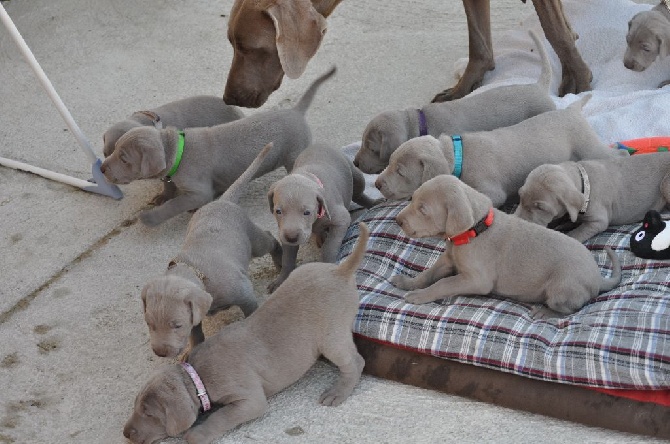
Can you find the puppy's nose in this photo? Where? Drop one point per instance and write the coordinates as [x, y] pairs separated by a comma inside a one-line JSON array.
[[399, 221], [628, 64], [103, 168], [292, 238], [160, 352], [356, 163], [378, 184], [128, 431]]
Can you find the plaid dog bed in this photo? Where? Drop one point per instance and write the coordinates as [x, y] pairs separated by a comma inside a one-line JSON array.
[[620, 339]]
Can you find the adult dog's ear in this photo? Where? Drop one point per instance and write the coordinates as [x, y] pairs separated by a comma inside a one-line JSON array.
[[199, 302], [300, 29]]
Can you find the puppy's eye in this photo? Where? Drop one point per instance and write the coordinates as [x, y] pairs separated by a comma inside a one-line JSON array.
[[277, 210], [307, 213], [422, 209], [123, 159], [540, 206], [400, 173], [175, 325]]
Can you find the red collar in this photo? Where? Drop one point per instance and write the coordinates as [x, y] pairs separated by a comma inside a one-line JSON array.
[[478, 228]]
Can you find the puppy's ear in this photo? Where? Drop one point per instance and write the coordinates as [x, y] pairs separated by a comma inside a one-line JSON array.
[[171, 408], [271, 198], [663, 46], [199, 302], [300, 29], [572, 200], [460, 214], [153, 160], [428, 168], [322, 207], [144, 299]]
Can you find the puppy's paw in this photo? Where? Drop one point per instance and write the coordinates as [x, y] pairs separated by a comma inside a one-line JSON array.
[[419, 297], [275, 284], [333, 397], [159, 199], [403, 282], [197, 435], [149, 218]]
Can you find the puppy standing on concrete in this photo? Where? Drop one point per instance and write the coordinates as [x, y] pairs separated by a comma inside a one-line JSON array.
[[314, 198], [496, 162], [210, 272], [493, 252], [311, 314], [648, 38], [201, 163], [190, 112], [495, 108], [596, 193]]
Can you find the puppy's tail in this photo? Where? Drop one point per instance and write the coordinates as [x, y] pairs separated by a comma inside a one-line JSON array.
[[613, 281], [234, 192], [307, 98], [350, 264], [544, 81], [579, 104]]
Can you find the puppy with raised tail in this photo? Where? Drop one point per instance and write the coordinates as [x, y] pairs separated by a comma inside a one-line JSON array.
[[648, 38], [314, 199], [491, 252], [495, 162], [310, 314], [210, 272], [199, 164], [596, 193], [494, 108]]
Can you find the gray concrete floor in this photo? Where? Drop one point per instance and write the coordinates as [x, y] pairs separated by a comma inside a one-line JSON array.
[[74, 349]]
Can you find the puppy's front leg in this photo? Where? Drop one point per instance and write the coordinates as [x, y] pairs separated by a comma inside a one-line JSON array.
[[169, 192], [456, 285], [440, 269], [227, 417], [288, 260], [340, 220], [589, 227], [173, 207]]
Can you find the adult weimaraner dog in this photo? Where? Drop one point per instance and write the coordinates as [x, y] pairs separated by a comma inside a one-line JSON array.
[[209, 273], [495, 162], [311, 314], [271, 38], [492, 252], [201, 163], [648, 38], [494, 108], [596, 193]]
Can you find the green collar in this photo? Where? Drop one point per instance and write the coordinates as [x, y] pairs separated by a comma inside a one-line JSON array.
[[177, 158]]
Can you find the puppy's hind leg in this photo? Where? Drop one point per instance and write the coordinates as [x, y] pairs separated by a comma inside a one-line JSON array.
[[341, 351]]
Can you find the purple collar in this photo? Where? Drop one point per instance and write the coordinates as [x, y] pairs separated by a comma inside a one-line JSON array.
[[199, 386], [423, 126]]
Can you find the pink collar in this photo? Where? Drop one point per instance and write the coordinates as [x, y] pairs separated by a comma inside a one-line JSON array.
[[322, 210], [199, 386]]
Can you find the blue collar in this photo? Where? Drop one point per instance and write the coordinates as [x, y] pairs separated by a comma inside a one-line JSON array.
[[423, 125], [458, 155]]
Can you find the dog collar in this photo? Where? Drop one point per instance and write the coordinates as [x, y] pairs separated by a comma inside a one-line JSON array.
[[423, 125], [155, 118], [458, 155], [198, 273], [586, 188], [322, 210], [476, 230], [177, 158], [199, 386]]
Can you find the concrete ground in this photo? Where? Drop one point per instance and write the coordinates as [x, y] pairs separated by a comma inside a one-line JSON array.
[[74, 348]]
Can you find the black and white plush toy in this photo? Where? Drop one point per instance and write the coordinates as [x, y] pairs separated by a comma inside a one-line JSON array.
[[652, 239]]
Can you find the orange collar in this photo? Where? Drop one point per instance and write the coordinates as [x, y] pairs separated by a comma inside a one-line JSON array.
[[477, 229]]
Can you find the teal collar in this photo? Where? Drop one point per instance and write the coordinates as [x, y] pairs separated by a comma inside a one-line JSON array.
[[177, 158], [458, 155]]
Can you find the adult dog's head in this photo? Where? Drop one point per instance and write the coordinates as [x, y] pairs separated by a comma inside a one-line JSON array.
[[270, 38]]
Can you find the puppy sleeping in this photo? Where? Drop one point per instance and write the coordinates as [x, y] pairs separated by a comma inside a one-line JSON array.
[[495, 162], [190, 112], [314, 199], [210, 272], [596, 193], [199, 164], [310, 314], [494, 108], [492, 252], [648, 38]]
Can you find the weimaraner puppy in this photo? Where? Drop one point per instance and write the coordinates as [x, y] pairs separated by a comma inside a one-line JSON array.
[[211, 158], [210, 272], [491, 109], [492, 252], [496, 162], [648, 38], [596, 193], [311, 314], [190, 112], [314, 198]]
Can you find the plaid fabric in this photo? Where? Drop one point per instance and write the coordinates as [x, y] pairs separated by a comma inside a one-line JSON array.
[[621, 339]]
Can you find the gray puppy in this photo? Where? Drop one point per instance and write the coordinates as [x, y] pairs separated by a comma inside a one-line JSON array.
[[648, 38], [495, 162], [314, 198], [210, 272], [211, 158], [311, 314], [596, 193], [190, 112], [494, 108], [492, 252]]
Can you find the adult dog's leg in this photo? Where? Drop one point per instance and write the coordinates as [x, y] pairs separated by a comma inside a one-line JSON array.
[[478, 13], [576, 75]]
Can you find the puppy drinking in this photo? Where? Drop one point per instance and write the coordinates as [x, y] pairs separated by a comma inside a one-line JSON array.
[[495, 162], [648, 38], [199, 164], [495, 108], [493, 252], [310, 314], [210, 272], [314, 198], [190, 112], [596, 193]]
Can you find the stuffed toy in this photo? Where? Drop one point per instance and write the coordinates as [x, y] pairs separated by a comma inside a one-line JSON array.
[[652, 239], [644, 145]]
